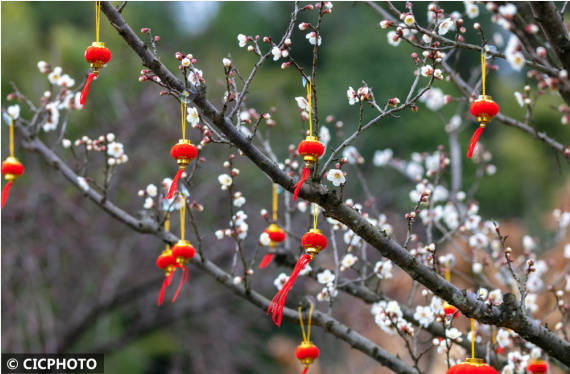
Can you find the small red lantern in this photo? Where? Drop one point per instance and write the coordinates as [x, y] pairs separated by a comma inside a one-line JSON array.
[[472, 366], [96, 54], [311, 149], [307, 353], [167, 262], [313, 242], [183, 152], [538, 367], [183, 252], [484, 108], [11, 170], [276, 235], [450, 310]]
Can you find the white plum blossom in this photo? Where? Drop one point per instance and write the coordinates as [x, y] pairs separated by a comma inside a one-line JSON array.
[[520, 99], [436, 305], [528, 243], [336, 177], [43, 67], [414, 170], [66, 143], [409, 20], [383, 269], [239, 201], [508, 10], [352, 96], [193, 117], [325, 277], [503, 338], [351, 239], [51, 123], [220, 234], [478, 240], [348, 261], [276, 52], [280, 281], [445, 25], [516, 60], [482, 294], [433, 98], [185, 62], [148, 203], [393, 38], [226, 62], [382, 157], [65, 81], [530, 303], [13, 111], [324, 135], [225, 181], [242, 39], [151, 190], [306, 270], [326, 294], [471, 9], [54, 76], [352, 155], [567, 250], [424, 315], [477, 268], [302, 103], [264, 239], [312, 37], [115, 149], [496, 297], [454, 334], [195, 77], [426, 70]]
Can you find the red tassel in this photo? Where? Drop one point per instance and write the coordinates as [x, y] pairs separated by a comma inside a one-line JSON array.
[[266, 260], [85, 90], [183, 279], [304, 176], [278, 302], [474, 140], [174, 184], [165, 283], [305, 370], [6, 192]]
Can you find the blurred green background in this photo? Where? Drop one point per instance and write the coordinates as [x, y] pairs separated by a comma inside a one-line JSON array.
[[529, 178]]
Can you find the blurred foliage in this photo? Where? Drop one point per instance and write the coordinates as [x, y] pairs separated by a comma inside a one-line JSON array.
[[354, 49]]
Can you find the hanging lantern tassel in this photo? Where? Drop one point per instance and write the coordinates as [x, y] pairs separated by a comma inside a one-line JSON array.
[[183, 152], [167, 262], [276, 235], [97, 55], [311, 149], [306, 352], [484, 108], [313, 242]]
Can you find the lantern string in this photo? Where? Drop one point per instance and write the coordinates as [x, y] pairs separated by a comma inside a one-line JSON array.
[[11, 137], [97, 19], [448, 270], [315, 215], [183, 116], [182, 214], [167, 227], [472, 338], [307, 335], [309, 95], [483, 67], [275, 202], [302, 327]]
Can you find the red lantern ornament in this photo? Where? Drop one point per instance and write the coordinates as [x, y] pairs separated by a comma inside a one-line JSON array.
[[306, 352], [311, 149], [183, 151], [484, 108], [167, 262], [450, 310], [313, 242], [182, 250], [96, 54], [537, 367], [472, 366], [275, 233], [11, 167]]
